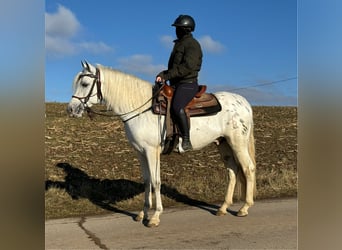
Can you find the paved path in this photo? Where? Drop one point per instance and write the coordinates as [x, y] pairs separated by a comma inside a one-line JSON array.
[[271, 224]]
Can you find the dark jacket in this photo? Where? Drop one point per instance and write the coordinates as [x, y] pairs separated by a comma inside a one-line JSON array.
[[185, 61]]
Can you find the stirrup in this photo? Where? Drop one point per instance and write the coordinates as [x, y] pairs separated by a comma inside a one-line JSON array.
[[187, 147], [179, 148]]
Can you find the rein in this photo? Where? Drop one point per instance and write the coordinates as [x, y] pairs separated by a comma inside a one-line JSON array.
[[97, 82], [91, 112]]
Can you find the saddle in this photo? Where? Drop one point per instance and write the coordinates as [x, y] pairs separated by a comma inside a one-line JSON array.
[[201, 105]]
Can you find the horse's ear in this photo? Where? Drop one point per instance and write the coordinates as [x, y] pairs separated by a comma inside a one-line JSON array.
[[84, 64], [88, 67]]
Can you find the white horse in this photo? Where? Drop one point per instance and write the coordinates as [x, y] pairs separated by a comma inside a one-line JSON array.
[[130, 98]]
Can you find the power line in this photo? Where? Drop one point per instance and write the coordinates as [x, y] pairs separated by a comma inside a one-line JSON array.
[[263, 84]]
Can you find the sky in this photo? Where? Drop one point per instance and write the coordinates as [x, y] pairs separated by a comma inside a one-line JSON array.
[[249, 46]]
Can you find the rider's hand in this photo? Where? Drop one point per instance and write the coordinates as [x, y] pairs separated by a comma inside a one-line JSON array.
[[159, 79]]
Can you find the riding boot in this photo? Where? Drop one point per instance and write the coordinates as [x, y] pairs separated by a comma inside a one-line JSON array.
[[183, 125]]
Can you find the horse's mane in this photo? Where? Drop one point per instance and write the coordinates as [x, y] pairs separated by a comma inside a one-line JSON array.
[[124, 91]]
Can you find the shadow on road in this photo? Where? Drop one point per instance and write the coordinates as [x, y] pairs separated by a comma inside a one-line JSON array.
[[105, 193]]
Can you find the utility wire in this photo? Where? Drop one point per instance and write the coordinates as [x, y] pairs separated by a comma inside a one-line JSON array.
[[263, 84]]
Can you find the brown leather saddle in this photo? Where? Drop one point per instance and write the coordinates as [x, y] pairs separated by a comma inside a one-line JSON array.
[[202, 104]]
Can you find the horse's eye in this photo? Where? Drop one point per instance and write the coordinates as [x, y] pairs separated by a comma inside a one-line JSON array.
[[84, 84]]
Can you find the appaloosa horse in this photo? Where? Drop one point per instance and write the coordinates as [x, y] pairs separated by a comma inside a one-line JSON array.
[[131, 98]]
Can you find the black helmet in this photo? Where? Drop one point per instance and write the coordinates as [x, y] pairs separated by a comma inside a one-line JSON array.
[[185, 21]]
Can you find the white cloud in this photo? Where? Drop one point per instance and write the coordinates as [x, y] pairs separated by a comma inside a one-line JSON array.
[[265, 97], [207, 43], [140, 64], [63, 23], [58, 46], [210, 45], [61, 28], [259, 96], [95, 47], [167, 41]]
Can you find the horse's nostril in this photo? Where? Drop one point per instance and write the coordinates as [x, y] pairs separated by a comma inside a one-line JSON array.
[[69, 110]]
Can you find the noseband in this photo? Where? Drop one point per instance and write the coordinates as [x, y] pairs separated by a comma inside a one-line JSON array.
[[96, 82]]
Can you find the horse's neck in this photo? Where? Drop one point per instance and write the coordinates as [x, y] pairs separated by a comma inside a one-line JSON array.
[[125, 93]]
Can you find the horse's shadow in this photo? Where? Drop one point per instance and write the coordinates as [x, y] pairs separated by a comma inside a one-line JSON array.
[[106, 193]]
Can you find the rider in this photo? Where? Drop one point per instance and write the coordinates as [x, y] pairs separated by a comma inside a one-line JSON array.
[[184, 64]]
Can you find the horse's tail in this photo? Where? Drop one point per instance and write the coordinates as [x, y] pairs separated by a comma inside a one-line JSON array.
[[241, 178]]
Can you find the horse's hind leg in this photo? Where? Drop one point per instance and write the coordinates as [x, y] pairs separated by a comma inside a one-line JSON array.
[[228, 159], [248, 168]]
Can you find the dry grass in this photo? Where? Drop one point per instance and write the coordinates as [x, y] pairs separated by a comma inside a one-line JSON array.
[[91, 169]]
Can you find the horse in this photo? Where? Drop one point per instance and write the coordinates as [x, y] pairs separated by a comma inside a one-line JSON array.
[[130, 98]]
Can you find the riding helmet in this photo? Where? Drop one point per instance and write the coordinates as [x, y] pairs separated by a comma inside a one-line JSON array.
[[185, 21]]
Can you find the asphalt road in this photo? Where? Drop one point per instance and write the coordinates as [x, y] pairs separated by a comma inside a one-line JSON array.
[[271, 224]]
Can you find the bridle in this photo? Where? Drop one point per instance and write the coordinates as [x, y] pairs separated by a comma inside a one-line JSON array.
[[96, 82]]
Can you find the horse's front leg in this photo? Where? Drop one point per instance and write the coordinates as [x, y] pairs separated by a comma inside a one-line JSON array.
[[143, 214], [153, 159]]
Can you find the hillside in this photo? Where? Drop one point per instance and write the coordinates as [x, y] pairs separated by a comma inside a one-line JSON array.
[[91, 169]]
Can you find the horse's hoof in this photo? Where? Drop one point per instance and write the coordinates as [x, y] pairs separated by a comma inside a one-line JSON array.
[[139, 217], [242, 214], [153, 223], [220, 213]]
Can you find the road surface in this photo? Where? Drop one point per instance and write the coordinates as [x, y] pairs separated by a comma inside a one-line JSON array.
[[271, 224]]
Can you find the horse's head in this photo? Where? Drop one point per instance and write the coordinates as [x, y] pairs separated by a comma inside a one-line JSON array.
[[86, 90]]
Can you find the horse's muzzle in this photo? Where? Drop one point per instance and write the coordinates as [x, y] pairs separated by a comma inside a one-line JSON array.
[[74, 111]]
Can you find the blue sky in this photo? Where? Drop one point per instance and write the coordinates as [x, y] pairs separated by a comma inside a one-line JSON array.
[[246, 43]]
